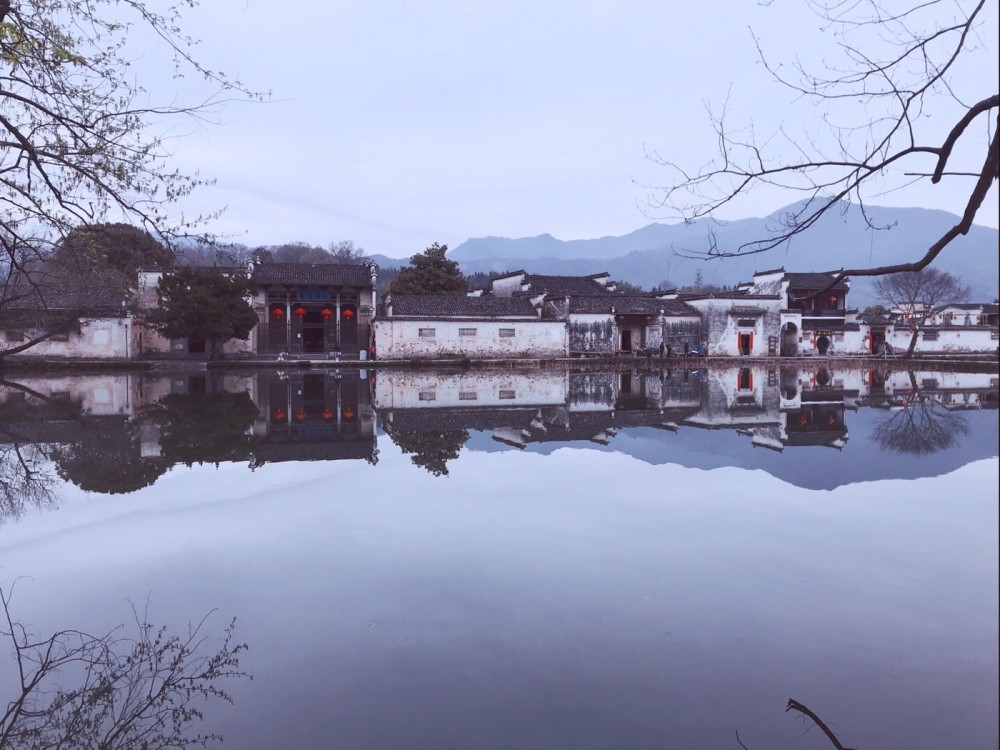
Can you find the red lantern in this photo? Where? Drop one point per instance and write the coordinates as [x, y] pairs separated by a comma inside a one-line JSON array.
[[348, 314], [833, 300], [278, 312], [300, 312], [348, 413], [327, 312], [300, 415], [279, 414], [327, 414]]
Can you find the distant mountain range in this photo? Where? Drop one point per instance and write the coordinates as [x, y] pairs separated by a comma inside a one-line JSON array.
[[655, 253]]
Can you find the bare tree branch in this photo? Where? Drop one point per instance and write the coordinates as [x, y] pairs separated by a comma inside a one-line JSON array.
[[925, 40]]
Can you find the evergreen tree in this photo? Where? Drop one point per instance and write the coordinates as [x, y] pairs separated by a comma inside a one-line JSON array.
[[204, 303], [430, 272]]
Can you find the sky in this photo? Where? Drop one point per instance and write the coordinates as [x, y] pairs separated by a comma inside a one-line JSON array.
[[398, 123]]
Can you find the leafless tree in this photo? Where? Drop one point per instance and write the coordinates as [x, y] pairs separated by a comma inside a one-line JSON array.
[[81, 141], [918, 294], [113, 692], [920, 426], [25, 478], [899, 70]]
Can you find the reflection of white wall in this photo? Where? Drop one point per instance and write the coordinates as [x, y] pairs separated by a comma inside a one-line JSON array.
[[98, 395], [397, 389]]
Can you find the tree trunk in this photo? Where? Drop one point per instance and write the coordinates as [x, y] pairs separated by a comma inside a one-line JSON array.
[[913, 342]]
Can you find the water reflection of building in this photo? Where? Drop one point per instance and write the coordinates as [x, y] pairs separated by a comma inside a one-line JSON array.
[[322, 416], [774, 407]]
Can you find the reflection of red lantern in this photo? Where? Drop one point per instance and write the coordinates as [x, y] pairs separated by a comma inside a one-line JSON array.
[[348, 313], [300, 415], [802, 419], [831, 420], [278, 313], [327, 312], [833, 300], [348, 413], [327, 414], [300, 312], [279, 414]]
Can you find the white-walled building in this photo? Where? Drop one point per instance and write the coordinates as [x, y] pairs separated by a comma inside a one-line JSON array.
[[429, 327]]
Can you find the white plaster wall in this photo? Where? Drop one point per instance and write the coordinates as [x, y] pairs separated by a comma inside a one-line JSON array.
[[98, 395], [149, 341], [508, 286], [108, 338], [953, 341], [397, 389], [400, 339]]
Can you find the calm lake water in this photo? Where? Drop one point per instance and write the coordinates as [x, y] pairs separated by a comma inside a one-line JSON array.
[[531, 559]]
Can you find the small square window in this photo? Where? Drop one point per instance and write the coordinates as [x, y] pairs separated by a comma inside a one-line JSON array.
[[426, 333], [506, 394], [467, 396], [466, 331], [506, 333], [427, 396]]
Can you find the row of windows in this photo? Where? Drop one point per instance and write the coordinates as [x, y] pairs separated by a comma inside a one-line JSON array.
[[503, 394], [430, 333]]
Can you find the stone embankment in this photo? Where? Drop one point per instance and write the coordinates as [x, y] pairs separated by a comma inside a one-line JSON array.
[[963, 362]]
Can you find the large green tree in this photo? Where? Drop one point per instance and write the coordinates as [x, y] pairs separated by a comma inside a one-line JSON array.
[[110, 254], [204, 303], [430, 272]]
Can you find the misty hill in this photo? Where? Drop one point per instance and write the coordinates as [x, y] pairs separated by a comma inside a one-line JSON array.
[[655, 254]]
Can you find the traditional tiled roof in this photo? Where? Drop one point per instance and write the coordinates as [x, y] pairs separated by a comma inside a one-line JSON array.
[[991, 309], [566, 285], [442, 306], [312, 274], [814, 281], [732, 295], [629, 305], [94, 301]]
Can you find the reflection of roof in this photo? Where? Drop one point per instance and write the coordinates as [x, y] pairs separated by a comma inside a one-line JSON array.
[[966, 306], [330, 450], [555, 285], [313, 274], [630, 305], [813, 281], [94, 300], [803, 438], [461, 306], [455, 418]]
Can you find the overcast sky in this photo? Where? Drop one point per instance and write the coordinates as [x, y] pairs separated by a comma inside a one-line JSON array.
[[398, 123]]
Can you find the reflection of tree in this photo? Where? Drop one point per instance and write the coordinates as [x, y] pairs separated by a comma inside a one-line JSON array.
[[26, 422], [25, 480], [139, 691], [108, 459], [431, 450], [922, 426], [206, 427]]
